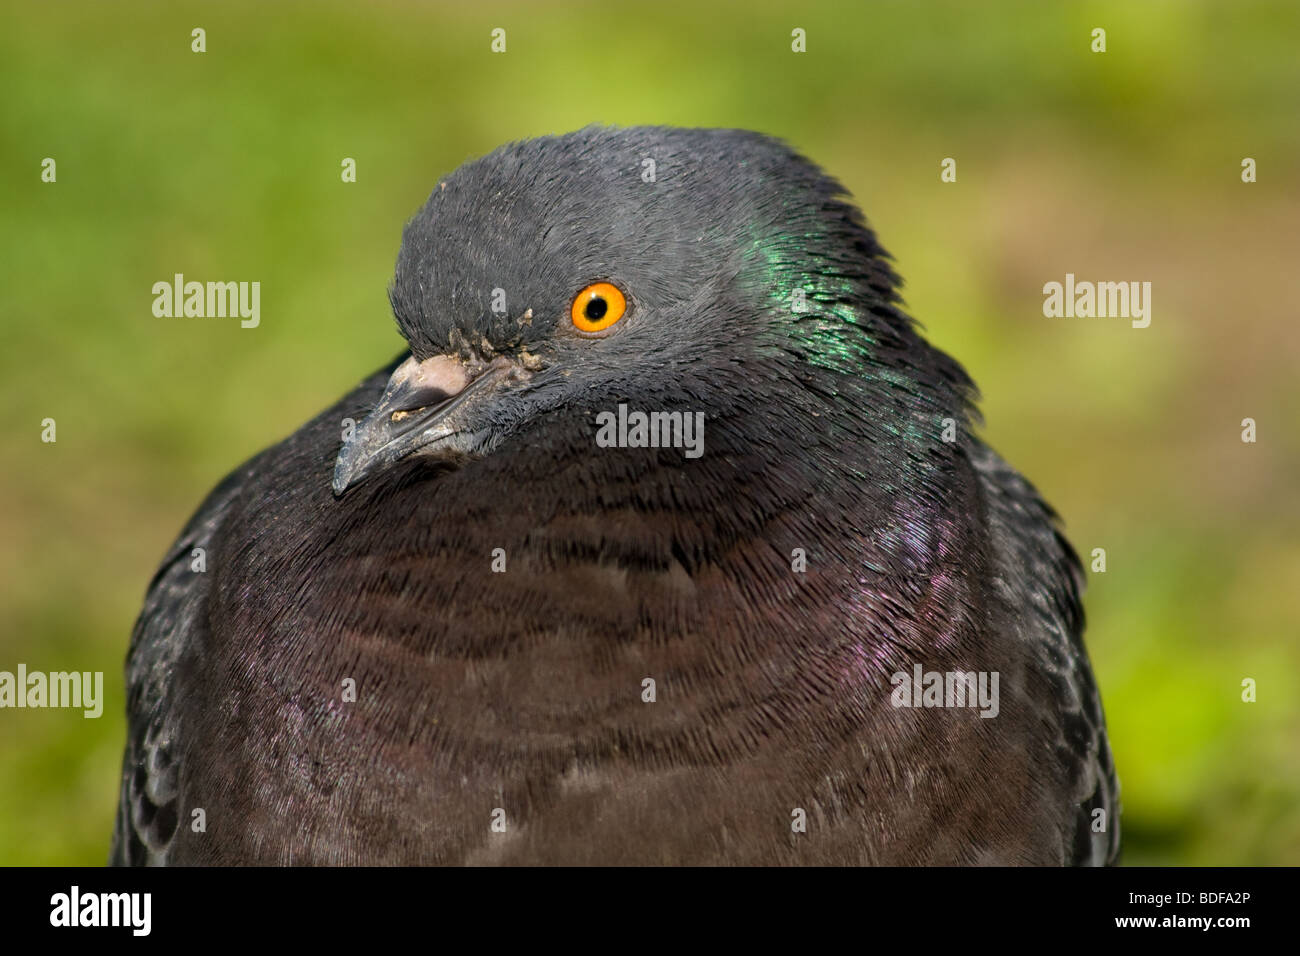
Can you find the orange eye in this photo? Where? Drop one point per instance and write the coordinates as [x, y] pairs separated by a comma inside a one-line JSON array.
[[597, 307]]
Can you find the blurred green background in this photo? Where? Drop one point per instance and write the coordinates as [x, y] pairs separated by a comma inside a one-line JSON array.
[[1120, 166]]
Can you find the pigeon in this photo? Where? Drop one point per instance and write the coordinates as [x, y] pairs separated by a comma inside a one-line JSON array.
[[666, 540]]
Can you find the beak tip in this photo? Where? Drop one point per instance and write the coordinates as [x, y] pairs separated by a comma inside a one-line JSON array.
[[342, 475]]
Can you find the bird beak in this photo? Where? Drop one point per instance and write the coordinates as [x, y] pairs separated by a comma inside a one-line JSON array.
[[427, 406]]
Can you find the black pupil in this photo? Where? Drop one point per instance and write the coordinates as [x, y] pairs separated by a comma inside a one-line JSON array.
[[596, 307]]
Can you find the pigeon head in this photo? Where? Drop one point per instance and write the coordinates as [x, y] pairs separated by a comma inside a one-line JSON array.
[[638, 265]]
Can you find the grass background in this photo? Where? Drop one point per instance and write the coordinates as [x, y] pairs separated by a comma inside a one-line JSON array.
[[1116, 166]]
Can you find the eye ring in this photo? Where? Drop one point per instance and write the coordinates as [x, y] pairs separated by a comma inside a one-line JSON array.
[[597, 307]]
